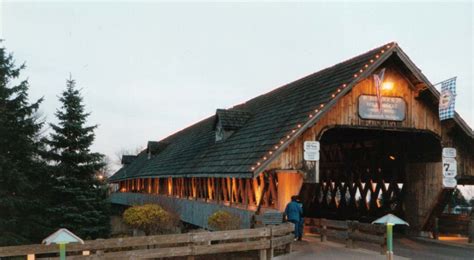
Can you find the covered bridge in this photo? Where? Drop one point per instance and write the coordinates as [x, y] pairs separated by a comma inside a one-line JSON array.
[[249, 159]]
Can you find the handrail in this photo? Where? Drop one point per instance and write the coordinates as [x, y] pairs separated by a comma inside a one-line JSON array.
[[263, 239]]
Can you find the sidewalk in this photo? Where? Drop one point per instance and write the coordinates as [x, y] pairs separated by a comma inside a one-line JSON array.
[[311, 247]]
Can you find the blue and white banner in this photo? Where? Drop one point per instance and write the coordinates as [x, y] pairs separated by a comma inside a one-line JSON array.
[[447, 99]]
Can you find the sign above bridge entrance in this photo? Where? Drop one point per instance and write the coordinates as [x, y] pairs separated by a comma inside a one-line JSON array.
[[393, 108]]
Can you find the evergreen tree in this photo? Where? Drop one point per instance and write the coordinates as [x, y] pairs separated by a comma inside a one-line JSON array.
[[79, 196], [23, 179]]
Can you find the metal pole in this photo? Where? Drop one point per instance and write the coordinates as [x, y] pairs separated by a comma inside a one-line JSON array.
[[62, 251], [389, 241]]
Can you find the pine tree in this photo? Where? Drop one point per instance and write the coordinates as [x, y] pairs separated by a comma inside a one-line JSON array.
[[79, 196], [23, 179]]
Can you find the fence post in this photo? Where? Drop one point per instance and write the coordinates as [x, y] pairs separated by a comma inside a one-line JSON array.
[[270, 250], [262, 253], [471, 230], [436, 228], [355, 228], [323, 230], [350, 227]]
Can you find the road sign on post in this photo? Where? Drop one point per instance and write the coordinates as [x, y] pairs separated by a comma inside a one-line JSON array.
[[311, 154], [449, 165]]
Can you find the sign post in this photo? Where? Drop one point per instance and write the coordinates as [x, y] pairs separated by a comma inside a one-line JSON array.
[[311, 153], [61, 238]]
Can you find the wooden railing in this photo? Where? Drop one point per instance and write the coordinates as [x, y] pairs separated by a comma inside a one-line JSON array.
[[349, 231], [454, 224], [264, 240]]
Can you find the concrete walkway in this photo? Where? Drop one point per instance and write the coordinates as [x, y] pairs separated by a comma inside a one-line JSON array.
[[405, 248], [311, 247]]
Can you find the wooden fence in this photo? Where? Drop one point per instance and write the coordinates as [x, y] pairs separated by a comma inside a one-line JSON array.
[[449, 224], [349, 231], [264, 240]]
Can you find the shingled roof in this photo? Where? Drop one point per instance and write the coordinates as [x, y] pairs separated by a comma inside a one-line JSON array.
[[272, 121]]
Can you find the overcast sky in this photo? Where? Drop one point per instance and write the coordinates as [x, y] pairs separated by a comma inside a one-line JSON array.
[[148, 69]]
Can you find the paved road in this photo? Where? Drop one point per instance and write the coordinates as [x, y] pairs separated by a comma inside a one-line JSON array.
[[418, 249], [405, 248]]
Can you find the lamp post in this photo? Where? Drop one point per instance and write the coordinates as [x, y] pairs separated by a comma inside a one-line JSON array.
[[61, 238], [390, 220]]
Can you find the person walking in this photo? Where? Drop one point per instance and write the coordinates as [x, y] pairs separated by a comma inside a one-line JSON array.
[[301, 224], [293, 214]]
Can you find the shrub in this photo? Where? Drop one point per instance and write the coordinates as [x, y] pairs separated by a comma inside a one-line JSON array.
[[150, 218], [223, 220]]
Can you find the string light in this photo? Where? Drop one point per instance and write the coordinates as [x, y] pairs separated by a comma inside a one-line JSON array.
[[321, 105]]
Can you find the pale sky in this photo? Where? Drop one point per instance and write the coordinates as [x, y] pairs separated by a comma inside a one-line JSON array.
[[148, 69]]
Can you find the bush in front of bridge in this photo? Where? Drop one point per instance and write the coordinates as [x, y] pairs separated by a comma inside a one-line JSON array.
[[150, 218], [223, 220]]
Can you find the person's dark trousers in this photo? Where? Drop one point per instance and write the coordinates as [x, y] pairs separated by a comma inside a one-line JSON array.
[[301, 227], [297, 228]]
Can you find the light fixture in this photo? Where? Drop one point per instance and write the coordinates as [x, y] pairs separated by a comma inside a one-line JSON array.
[[387, 85], [391, 157]]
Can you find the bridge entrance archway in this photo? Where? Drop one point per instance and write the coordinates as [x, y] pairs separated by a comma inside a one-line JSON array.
[[363, 172]]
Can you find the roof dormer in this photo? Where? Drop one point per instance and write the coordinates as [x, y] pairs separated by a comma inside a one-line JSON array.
[[229, 121]]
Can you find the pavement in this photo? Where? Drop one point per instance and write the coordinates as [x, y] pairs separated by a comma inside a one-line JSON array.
[[404, 248], [311, 247]]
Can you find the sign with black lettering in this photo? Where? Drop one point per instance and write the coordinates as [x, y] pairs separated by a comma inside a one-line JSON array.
[[393, 108]]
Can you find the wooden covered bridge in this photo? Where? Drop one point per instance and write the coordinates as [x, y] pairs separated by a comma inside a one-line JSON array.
[[249, 159]]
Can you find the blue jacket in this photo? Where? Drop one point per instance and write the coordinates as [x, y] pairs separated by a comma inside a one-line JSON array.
[[294, 211]]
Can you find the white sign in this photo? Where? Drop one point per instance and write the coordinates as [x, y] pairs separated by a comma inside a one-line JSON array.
[[311, 155], [449, 152], [311, 146], [449, 182], [449, 167]]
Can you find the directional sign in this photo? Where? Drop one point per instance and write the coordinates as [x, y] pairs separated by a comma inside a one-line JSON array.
[[449, 167], [311, 146], [449, 182], [449, 152], [311, 155]]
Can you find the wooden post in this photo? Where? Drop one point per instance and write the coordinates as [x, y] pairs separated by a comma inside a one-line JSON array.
[[270, 249], [324, 230], [471, 230], [350, 230], [436, 228]]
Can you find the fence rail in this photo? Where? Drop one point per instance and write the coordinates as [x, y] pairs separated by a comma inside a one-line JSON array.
[[349, 231], [454, 224], [264, 239]]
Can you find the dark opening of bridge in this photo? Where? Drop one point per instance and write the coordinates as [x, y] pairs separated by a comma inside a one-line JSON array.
[[363, 172]]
